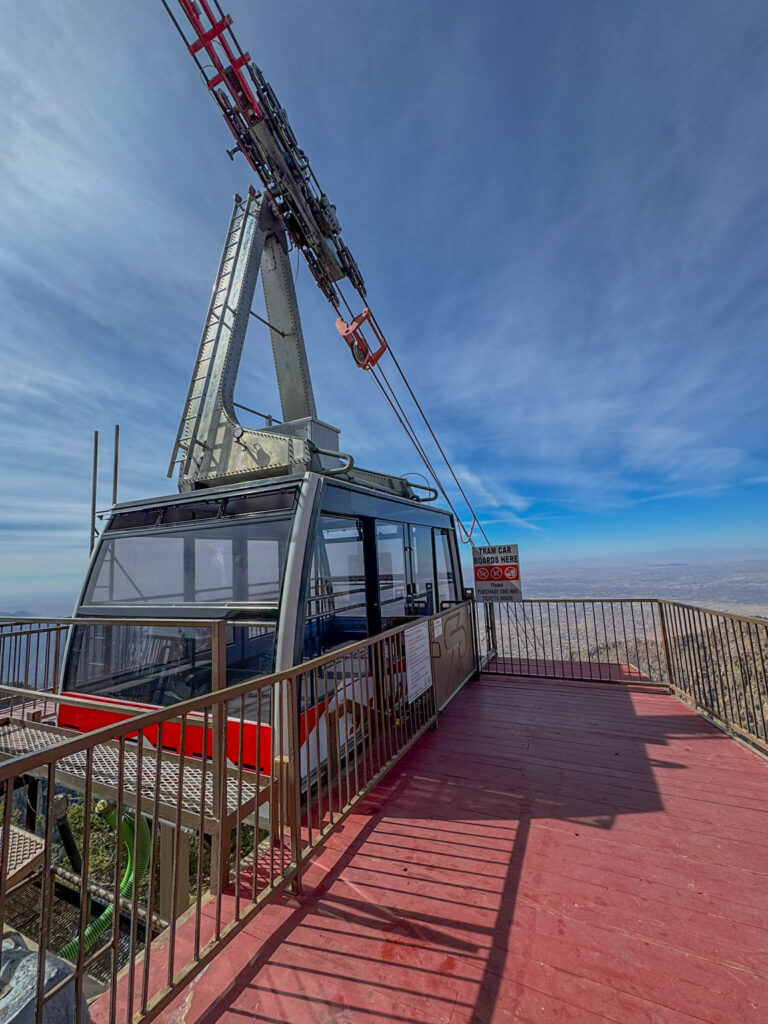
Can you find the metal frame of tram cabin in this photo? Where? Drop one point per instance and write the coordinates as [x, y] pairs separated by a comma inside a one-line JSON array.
[[312, 496]]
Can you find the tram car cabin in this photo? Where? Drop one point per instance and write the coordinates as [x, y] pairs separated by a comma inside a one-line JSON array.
[[307, 565]]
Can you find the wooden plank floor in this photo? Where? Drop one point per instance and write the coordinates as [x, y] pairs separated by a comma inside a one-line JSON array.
[[555, 851]]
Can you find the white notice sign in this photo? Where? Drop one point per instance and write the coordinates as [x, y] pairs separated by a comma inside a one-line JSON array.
[[418, 664], [497, 573]]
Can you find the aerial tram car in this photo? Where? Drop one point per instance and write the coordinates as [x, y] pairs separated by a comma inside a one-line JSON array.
[[297, 567], [273, 528]]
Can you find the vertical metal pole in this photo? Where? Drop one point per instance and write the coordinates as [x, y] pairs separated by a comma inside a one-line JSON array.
[[5, 847], [93, 488], [220, 851], [115, 463], [46, 885], [661, 611], [56, 658], [473, 617], [294, 783]]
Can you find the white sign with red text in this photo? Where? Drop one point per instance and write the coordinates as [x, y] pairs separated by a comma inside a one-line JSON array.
[[497, 573]]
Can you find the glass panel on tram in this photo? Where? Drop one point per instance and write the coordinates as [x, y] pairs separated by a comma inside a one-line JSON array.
[[391, 557], [239, 563], [336, 611], [209, 564], [447, 589], [143, 664], [422, 588]]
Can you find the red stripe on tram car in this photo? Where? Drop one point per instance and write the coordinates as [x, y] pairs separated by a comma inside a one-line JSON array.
[[308, 720], [86, 719]]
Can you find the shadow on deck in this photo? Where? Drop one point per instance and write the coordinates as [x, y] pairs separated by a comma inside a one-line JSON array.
[[555, 851], [581, 671]]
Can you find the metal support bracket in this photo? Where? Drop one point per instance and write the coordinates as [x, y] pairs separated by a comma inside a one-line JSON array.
[[358, 346], [211, 445]]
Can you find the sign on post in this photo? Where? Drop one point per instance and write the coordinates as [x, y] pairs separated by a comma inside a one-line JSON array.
[[497, 573]]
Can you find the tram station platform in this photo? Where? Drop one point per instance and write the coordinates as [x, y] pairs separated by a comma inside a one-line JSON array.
[[554, 851]]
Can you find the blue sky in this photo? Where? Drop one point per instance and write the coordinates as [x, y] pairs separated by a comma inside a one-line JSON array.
[[560, 209]]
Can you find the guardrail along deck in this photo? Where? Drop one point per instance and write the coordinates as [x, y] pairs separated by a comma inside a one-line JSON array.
[[555, 851], [407, 845]]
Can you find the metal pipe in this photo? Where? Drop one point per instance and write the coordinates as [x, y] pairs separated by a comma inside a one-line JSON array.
[[270, 420], [271, 327], [67, 839], [114, 463], [93, 488], [105, 896], [346, 466]]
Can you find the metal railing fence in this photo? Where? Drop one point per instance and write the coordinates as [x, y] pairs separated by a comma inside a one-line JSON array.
[[133, 853], [370, 725], [31, 653], [718, 663], [131, 834], [615, 640], [715, 661], [130, 855]]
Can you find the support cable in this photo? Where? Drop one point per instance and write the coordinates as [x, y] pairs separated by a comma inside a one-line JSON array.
[[414, 438], [412, 434], [405, 423], [335, 290], [446, 460], [184, 38], [394, 402]]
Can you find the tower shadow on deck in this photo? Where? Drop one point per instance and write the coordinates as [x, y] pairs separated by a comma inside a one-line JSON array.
[[413, 912]]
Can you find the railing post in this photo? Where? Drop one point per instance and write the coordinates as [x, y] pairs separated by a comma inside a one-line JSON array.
[[221, 841], [56, 658], [665, 642], [279, 789], [490, 628], [293, 782], [475, 624]]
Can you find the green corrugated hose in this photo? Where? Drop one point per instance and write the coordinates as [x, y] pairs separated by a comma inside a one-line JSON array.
[[133, 873]]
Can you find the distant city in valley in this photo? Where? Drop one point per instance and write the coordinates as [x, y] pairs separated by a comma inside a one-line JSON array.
[[735, 586]]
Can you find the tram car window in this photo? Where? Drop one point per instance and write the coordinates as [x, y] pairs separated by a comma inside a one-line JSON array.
[[422, 598], [391, 556], [181, 561], [336, 609], [448, 584]]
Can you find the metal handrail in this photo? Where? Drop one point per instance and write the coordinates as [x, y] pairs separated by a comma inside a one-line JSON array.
[[273, 819], [715, 661], [756, 619], [311, 786]]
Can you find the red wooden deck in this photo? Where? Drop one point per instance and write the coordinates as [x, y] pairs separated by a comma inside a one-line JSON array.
[[555, 851]]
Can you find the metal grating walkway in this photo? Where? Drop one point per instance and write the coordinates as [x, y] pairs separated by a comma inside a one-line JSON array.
[[25, 854], [196, 782]]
